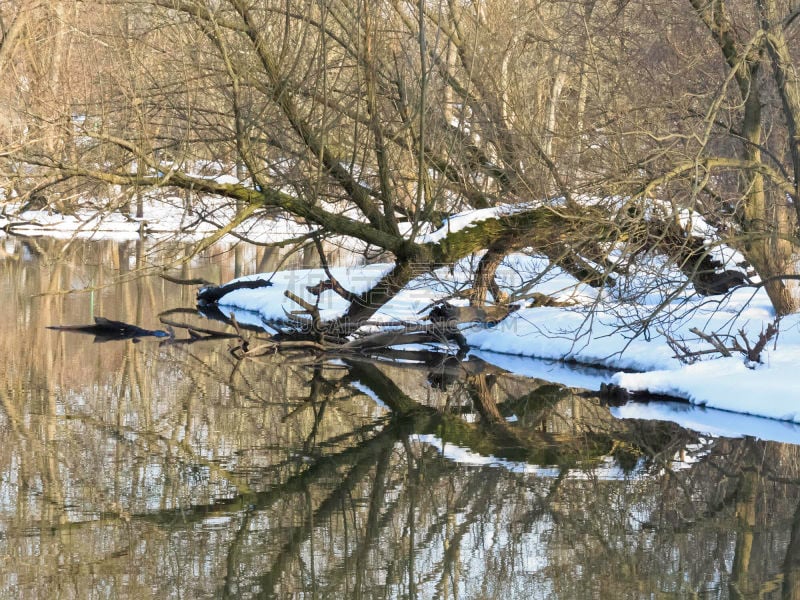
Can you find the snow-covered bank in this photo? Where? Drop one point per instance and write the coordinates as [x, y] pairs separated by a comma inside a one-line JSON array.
[[577, 334], [163, 217], [771, 389], [268, 304]]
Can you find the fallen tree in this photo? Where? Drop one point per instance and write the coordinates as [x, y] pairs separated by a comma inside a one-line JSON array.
[[537, 229]]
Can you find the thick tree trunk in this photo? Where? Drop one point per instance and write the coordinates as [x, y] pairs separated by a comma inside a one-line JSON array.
[[538, 228], [544, 231], [763, 221], [373, 299], [787, 81]]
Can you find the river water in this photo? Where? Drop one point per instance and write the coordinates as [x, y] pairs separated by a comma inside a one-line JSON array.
[[161, 469]]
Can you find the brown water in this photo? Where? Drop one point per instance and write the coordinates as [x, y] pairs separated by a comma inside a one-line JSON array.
[[164, 470]]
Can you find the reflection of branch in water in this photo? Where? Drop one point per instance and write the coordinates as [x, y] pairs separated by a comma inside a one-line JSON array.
[[413, 415], [372, 528], [196, 333], [791, 562], [317, 470], [232, 558], [298, 534], [407, 413], [456, 512], [122, 433], [199, 334], [319, 387], [478, 494], [486, 438]]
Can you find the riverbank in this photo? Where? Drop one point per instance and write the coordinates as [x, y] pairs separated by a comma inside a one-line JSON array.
[[595, 329]]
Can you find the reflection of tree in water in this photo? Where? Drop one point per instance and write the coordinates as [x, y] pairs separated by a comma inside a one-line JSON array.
[[176, 470], [405, 521], [372, 511]]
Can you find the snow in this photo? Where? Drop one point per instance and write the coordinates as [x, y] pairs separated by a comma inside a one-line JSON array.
[[163, 217], [271, 304], [770, 389]]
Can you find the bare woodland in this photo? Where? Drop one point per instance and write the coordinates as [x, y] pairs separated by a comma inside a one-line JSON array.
[[375, 120]]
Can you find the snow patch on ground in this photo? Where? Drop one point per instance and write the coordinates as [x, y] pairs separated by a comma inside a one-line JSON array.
[[771, 389], [271, 303]]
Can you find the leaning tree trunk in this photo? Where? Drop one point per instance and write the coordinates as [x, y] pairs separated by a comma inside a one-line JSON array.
[[542, 230], [369, 302]]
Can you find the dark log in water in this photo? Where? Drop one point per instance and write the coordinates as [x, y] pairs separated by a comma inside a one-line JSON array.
[[105, 330]]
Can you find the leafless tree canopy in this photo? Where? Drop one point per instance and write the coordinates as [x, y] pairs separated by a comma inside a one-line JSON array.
[[377, 119]]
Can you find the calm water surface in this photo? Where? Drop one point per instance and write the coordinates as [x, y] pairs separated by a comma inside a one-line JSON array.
[[172, 470]]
